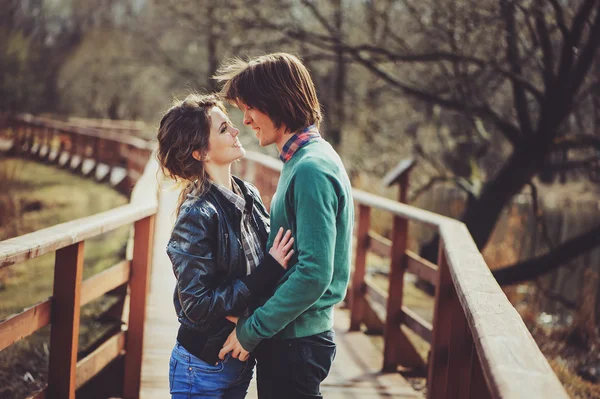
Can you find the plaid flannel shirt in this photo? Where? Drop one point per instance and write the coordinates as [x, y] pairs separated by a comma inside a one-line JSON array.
[[249, 238], [297, 141]]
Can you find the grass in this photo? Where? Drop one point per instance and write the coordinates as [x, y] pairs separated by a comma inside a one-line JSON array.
[[45, 196]]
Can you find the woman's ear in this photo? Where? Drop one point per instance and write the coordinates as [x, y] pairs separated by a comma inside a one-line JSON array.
[[198, 156]]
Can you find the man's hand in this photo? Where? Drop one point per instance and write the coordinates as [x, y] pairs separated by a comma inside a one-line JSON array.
[[232, 319], [233, 345]]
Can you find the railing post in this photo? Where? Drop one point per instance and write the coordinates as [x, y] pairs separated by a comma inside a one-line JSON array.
[[64, 332], [357, 299], [478, 386], [442, 319], [459, 351], [139, 283]]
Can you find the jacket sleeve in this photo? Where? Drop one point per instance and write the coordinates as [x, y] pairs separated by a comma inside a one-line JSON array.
[[203, 293]]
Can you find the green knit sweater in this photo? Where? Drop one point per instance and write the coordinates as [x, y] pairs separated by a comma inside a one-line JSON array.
[[314, 200]]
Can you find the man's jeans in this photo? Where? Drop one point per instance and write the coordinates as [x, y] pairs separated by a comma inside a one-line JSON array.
[[294, 368], [190, 377]]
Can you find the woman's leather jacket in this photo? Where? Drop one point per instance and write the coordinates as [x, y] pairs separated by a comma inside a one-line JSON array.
[[210, 264]]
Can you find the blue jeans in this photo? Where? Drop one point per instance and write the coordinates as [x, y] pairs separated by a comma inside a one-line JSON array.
[[190, 377]]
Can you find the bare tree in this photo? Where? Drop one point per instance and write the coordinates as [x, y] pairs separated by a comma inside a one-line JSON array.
[[520, 67]]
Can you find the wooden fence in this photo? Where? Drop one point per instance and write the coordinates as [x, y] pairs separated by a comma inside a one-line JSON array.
[[67, 240], [112, 155], [71, 145]]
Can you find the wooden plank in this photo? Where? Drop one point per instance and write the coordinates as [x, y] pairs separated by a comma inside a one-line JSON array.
[[375, 292], [400, 171], [21, 325], [438, 362], [459, 351], [421, 267], [41, 394], [108, 135], [507, 351], [105, 281], [379, 245], [479, 387], [64, 333], [356, 373], [139, 283], [412, 320], [398, 209], [358, 277], [396, 347], [465, 374], [395, 294], [417, 324], [32, 245], [92, 364]]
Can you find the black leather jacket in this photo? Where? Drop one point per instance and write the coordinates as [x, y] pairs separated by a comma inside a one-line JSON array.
[[210, 266]]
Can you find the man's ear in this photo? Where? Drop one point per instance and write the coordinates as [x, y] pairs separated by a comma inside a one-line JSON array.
[[198, 156]]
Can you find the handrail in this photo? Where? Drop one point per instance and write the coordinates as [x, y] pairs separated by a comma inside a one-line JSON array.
[[480, 346], [109, 154], [109, 134], [50, 239]]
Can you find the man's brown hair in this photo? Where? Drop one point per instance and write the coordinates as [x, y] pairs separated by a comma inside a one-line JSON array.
[[278, 85]]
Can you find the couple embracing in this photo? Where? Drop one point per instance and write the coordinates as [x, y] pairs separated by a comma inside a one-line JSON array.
[[253, 287]]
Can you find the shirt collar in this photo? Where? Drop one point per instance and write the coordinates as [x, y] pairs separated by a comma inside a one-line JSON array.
[[297, 141], [236, 197]]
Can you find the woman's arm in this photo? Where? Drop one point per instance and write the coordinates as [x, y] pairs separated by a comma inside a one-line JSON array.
[[203, 295]]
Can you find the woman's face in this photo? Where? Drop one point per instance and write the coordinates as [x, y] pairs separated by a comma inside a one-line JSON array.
[[223, 144]]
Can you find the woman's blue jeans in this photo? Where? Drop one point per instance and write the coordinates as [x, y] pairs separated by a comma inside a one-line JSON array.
[[190, 377]]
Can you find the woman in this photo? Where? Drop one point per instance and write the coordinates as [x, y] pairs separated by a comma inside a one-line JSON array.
[[217, 247]]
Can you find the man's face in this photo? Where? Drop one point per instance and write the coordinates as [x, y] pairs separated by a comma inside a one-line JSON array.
[[266, 131]]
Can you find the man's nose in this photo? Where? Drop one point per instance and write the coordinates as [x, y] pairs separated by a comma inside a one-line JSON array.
[[247, 118]]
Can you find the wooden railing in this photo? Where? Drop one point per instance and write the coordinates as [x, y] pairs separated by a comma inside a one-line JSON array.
[[109, 152], [61, 311], [480, 347], [71, 144]]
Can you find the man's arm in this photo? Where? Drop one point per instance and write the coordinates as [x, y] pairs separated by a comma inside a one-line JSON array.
[[315, 204]]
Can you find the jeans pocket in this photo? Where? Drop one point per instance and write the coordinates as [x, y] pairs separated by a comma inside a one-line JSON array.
[[172, 367], [317, 357], [205, 367]]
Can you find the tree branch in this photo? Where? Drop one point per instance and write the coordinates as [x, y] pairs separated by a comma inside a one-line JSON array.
[[562, 254], [586, 57], [512, 55], [560, 18], [546, 45], [572, 41], [577, 142]]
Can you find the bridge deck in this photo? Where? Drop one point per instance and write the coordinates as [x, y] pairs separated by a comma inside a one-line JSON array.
[[355, 372]]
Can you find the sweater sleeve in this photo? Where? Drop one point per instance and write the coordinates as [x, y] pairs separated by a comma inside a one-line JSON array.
[[315, 202]]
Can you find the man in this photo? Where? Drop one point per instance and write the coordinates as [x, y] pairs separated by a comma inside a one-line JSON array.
[[291, 333]]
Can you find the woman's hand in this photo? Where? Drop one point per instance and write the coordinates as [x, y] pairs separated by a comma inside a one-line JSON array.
[[280, 250]]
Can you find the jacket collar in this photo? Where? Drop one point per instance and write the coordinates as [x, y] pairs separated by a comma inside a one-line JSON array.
[[226, 202]]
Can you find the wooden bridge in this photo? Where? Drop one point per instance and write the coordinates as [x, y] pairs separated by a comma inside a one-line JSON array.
[[479, 346]]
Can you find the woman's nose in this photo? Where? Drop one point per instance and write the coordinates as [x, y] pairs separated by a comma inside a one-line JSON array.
[[235, 131]]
